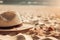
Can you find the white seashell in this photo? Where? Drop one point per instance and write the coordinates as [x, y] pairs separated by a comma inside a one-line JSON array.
[[7, 37]]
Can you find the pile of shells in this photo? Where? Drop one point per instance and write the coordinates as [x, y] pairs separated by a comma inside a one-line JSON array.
[[43, 28]]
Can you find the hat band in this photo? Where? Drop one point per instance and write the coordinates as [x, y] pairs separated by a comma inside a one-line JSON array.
[[11, 27]]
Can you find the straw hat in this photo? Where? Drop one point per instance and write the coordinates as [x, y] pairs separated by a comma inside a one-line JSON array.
[[11, 21], [9, 18]]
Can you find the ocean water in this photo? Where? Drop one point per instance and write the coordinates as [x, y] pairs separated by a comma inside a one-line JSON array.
[[28, 2]]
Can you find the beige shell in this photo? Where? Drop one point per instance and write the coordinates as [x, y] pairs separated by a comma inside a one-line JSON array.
[[9, 18], [23, 37], [52, 38]]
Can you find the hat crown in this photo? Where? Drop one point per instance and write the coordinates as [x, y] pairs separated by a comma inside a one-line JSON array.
[[8, 16]]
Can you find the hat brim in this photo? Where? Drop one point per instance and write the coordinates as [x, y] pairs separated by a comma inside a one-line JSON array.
[[20, 28]]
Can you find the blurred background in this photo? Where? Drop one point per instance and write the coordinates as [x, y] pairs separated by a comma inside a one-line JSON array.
[[35, 7], [31, 2]]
